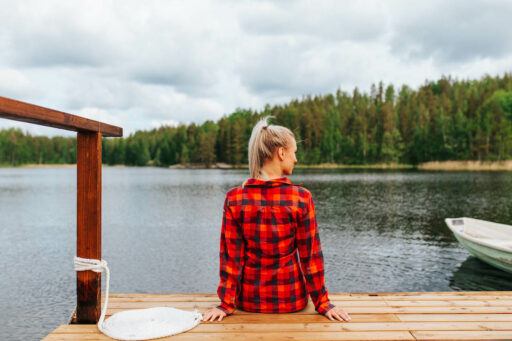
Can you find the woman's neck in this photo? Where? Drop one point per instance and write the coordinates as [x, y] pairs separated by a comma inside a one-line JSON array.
[[269, 172]]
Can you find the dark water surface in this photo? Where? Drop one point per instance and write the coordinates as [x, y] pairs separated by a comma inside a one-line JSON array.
[[381, 231]]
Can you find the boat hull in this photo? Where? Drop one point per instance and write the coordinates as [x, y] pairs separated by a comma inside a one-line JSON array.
[[496, 257]]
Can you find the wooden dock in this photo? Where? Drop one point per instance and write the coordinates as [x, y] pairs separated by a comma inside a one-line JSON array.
[[474, 315]]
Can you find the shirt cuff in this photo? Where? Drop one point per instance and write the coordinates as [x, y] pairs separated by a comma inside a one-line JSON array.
[[325, 307], [226, 308]]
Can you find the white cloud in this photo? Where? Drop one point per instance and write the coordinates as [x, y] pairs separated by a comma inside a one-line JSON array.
[[99, 114], [452, 31], [145, 64], [15, 83]]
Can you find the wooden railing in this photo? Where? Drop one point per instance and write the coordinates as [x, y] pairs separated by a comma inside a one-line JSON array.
[[88, 162]]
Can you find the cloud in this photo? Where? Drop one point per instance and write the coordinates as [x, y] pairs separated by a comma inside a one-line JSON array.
[[324, 20], [137, 63], [57, 34], [452, 31], [15, 83]]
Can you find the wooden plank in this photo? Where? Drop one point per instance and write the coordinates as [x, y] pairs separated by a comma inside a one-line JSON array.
[[333, 297], [237, 317], [77, 329], [164, 297], [437, 298], [366, 310], [463, 335], [429, 293], [340, 300], [342, 295], [30, 113], [466, 303], [115, 303], [88, 224], [200, 304], [454, 317], [296, 318], [391, 335], [350, 327], [221, 327]]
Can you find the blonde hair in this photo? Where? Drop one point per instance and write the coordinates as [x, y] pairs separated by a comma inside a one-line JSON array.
[[265, 138]]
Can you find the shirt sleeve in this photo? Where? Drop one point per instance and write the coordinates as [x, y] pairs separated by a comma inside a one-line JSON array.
[[232, 249], [311, 258]]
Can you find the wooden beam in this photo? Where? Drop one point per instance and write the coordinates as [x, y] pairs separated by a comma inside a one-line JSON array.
[[25, 112], [88, 224]]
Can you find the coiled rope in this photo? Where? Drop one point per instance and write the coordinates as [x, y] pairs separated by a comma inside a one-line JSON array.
[[139, 324]]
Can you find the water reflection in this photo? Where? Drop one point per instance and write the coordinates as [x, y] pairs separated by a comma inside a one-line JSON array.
[[475, 275]]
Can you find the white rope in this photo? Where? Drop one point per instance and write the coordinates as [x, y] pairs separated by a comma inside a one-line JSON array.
[[139, 324], [96, 265]]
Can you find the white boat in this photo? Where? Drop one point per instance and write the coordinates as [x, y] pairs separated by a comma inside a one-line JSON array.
[[488, 241]]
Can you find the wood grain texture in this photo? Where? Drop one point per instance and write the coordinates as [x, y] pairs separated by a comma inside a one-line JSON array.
[[88, 224], [387, 316], [30, 113]]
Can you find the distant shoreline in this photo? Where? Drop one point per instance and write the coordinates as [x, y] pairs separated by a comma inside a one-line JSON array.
[[467, 165], [45, 165], [428, 166]]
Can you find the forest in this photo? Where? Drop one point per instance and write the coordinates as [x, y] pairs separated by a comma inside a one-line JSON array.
[[447, 119]]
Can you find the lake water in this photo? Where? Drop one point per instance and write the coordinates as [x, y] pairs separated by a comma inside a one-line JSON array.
[[381, 231]]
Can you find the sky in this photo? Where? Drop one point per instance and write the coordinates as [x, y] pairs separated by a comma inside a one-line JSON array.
[[143, 64]]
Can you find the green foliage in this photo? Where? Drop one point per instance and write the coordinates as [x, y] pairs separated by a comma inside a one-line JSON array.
[[445, 119], [17, 148]]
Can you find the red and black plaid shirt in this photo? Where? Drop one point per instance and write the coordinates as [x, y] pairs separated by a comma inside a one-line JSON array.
[[264, 224]]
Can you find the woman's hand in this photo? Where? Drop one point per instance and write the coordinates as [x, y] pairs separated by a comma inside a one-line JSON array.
[[212, 314], [337, 313]]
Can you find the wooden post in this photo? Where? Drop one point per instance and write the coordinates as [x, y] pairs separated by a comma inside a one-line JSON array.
[[88, 160]]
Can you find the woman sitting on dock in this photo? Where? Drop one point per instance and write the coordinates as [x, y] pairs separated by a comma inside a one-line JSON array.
[[266, 221]]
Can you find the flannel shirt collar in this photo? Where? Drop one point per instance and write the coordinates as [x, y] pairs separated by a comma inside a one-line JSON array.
[[269, 183]]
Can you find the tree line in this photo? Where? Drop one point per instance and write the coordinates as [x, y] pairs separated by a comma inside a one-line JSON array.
[[17, 148], [447, 119]]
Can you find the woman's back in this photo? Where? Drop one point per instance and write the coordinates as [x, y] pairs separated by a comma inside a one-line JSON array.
[[265, 224]]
